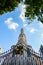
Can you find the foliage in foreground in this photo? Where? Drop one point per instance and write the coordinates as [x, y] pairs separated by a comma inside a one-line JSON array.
[[33, 8], [8, 5]]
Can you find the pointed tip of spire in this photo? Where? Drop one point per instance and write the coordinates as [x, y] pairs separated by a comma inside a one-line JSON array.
[[22, 30]]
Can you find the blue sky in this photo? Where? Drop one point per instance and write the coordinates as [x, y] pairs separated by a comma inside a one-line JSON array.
[[11, 24]]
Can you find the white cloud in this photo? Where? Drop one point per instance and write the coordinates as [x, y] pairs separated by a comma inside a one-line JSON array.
[[22, 14], [32, 30], [42, 35], [8, 21], [11, 24], [25, 25]]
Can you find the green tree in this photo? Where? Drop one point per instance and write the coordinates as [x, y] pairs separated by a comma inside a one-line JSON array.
[[8, 5], [33, 8]]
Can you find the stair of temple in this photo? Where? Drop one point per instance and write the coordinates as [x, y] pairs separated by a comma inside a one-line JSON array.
[[21, 54]]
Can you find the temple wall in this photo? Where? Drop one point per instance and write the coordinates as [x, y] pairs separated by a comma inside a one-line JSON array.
[[22, 60]]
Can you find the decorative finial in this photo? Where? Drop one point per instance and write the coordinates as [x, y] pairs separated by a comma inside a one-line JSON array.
[[22, 31]]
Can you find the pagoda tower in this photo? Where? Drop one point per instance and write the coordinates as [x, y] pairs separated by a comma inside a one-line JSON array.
[[21, 45], [22, 38]]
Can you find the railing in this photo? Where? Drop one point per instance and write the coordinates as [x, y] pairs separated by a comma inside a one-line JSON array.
[[5, 53], [10, 50]]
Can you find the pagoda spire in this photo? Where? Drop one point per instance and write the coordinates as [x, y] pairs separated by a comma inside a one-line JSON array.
[[22, 31], [22, 37]]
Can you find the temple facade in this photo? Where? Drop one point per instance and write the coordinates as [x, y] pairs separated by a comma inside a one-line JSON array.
[[21, 54]]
